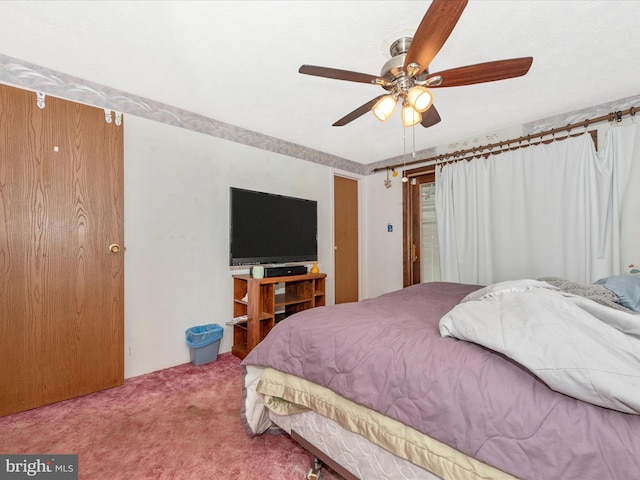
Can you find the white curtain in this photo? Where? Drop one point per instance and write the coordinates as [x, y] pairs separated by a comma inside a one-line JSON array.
[[546, 210]]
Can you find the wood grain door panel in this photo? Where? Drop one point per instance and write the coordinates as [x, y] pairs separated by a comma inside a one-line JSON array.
[[346, 239], [61, 289], [412, 223]]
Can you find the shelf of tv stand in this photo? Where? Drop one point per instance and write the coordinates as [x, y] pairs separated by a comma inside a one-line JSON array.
[[257, 298]]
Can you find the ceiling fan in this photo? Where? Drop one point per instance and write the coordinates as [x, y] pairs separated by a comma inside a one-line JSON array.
[[406, 75]]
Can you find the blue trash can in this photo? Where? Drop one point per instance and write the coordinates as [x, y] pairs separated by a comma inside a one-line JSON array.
[[204, 342]]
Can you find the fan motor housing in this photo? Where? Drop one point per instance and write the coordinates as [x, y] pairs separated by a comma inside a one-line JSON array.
[[393, 69]]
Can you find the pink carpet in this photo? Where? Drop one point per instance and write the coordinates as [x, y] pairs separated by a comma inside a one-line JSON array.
[[178, 423]]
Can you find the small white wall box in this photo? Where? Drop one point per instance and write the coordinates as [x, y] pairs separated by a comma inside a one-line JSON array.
[[204, 342]]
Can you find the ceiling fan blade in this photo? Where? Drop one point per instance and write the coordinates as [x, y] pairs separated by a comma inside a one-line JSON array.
[[481, 72], [433, 31], [342, 75], [357, 113], [430, 117]]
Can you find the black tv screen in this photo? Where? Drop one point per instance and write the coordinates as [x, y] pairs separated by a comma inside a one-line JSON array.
[[266, 228]]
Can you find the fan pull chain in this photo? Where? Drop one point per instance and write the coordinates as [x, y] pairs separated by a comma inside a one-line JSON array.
[[404, 155], [413, 147]]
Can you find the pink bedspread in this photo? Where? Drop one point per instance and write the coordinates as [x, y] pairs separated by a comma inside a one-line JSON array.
[[386, 353]]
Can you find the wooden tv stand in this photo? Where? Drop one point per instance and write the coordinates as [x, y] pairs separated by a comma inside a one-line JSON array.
[[266, 301]]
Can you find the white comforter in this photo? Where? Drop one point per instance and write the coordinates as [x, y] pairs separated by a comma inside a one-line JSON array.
[[576, 346]]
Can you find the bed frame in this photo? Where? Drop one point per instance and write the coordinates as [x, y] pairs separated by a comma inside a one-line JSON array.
[[320, 459]]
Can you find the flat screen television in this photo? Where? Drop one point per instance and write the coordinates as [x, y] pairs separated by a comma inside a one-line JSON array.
[[266, 228]]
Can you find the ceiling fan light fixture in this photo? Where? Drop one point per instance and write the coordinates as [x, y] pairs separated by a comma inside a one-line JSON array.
[[420, 98], [406, 77], [410, 116], [384, 108]]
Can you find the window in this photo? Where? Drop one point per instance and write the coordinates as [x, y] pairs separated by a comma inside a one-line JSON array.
[[429, 253], [421, 253]]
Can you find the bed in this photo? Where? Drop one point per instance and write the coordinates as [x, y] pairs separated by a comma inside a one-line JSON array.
[[409, 384]]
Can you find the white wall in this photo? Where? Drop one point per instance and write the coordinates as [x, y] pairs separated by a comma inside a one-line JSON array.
[[382, 255], [176, 232]]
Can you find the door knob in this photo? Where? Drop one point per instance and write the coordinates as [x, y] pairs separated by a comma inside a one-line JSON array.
[[114, 248]]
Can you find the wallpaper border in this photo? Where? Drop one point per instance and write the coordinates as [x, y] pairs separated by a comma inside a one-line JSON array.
[[41, 79], [37, 78]]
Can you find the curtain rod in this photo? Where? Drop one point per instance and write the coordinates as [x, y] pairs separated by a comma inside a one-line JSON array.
[[617, 116]]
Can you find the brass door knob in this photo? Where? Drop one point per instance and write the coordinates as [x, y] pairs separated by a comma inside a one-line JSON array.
[[114, 248]]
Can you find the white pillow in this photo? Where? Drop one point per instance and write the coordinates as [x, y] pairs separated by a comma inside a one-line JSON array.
[[506, 287]]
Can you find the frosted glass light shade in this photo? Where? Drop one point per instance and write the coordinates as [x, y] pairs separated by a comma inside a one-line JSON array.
[[420, 98], [384, 108], [410, 116]]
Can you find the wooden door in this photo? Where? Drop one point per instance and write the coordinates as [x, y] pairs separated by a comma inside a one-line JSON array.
[[412, 224], [345, 208], [61, 288]]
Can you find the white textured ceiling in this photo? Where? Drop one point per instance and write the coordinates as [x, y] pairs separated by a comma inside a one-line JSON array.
[[237, 61]]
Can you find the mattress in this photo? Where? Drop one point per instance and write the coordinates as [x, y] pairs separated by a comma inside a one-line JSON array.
[[291, 399], [361, 457]]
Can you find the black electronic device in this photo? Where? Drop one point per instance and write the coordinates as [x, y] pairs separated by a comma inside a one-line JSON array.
[[266, 228], [284, 271]]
